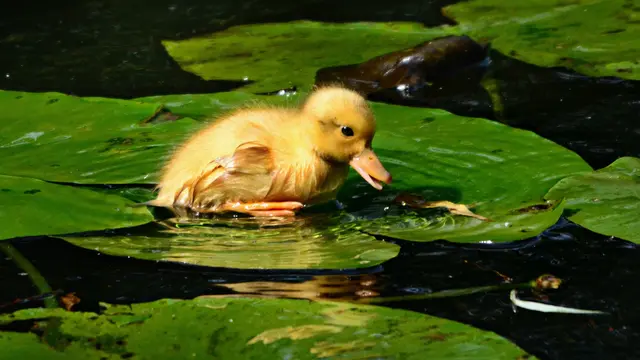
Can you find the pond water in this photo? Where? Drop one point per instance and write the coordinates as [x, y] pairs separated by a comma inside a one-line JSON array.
[[112, 48]]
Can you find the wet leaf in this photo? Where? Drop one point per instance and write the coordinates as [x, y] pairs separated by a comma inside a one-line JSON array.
[[245, 243], [255, 328], [33, 207], [56, 137], [203, 106], [593, 37], [606, 201], [444, 157], [283, 55]]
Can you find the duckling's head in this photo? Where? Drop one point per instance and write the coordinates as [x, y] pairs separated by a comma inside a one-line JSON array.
[[342, 129]]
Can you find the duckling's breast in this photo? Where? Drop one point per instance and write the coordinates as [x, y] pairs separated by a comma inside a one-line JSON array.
[[311, 182]]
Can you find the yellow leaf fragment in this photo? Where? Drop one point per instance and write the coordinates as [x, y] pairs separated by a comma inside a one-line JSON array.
[[294, 333], [416, 201], [458, 209], [344, 314]]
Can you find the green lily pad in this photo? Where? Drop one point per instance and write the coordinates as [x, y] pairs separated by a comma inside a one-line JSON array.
[[593, 37], [282, 55], [56, 137], [500, 170], [519, 224], [442, 156], [244, 243], [33, 207], [204, 106], [606, 201], [226, 328]]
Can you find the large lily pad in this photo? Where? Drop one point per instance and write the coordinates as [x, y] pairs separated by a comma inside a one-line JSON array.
[[223, 328], [204, 106], [62, 138], [302, 243], [503, 171], [282, 55], [606, 201], [33, 207], [441, 156], [594, 37]]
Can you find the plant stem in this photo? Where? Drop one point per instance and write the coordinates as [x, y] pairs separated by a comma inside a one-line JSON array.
[[38, 280], [492, 86], [446, 293]]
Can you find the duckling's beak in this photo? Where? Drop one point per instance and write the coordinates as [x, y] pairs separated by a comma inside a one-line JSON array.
[[369, 167]]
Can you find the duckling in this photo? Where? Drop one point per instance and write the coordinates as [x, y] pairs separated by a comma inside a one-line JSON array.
[[266, 161]]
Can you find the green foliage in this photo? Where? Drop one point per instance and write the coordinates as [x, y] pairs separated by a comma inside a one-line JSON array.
[[281, 55], [34, 207], [56, 137], [224, 328], [593, 37], [606, 201]]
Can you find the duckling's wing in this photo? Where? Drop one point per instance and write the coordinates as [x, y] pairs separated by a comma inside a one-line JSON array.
[[245, 176]]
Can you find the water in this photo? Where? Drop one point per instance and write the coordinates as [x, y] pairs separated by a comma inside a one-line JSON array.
[[111, 48]]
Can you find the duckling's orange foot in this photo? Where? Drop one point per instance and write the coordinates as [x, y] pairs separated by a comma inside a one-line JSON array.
[[264, 209]]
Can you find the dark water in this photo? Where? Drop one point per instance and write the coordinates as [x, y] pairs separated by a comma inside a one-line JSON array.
[[112, 48]]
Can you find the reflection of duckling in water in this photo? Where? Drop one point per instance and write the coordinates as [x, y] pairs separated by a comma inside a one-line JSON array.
[[269, 161]]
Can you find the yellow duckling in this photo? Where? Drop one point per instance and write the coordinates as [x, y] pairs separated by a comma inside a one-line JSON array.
[[269, 161]]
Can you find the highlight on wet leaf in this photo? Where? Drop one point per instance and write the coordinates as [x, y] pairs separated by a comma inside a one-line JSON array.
[[606, 201], [256, 328]]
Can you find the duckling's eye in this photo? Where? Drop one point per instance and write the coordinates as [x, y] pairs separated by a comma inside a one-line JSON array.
[[347, 131]]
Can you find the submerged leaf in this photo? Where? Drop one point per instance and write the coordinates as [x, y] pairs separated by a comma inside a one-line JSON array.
[[248, 244], [255, 328], [606, 201]]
